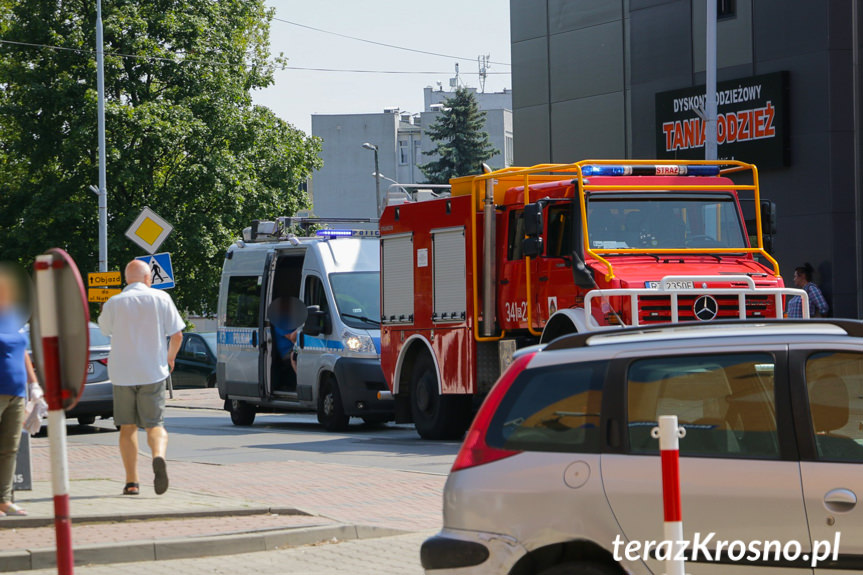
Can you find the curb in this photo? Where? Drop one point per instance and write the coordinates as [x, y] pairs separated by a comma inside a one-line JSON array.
[[184, 548], [28, 522]]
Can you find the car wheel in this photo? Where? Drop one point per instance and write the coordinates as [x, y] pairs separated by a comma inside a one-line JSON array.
[[242, 413], [211, 381], [582, 568], [331, 412], [436, 416], [87, 420]]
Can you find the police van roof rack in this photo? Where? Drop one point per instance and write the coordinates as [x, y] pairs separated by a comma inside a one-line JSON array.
[[279, 230]]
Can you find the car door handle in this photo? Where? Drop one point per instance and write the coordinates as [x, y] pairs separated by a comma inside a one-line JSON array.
[[840, 500]]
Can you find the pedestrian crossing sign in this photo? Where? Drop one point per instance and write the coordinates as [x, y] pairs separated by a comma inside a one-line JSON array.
[[161, 270]]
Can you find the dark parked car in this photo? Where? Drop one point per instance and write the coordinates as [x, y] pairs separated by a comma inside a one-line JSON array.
[[97, 399], [196, 361]]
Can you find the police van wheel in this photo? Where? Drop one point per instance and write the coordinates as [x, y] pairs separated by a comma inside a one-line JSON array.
[[436, 416], [242, 413], [331, 412]]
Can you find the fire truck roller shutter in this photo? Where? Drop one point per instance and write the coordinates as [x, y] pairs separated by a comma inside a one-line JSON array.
[[450, 297], [397, 279]]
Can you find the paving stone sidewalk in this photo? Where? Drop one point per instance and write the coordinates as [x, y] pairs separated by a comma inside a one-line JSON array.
[[205, 502]]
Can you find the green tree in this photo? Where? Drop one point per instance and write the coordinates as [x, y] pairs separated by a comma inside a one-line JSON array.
[[183, 135], [462, 142]]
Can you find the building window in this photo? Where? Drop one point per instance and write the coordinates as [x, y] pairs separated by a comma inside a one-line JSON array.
[[508, 151], [726, 8], [418, 153], [404, 152]]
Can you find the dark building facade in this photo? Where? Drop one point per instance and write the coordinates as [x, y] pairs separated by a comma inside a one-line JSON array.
[[620, 78]]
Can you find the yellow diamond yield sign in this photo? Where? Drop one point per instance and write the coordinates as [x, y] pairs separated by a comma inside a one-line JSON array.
[[149, 230]]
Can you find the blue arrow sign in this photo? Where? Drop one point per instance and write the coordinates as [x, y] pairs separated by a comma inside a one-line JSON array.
[[161, 269]]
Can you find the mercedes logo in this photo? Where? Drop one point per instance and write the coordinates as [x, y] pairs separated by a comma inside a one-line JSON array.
[[705, 308]]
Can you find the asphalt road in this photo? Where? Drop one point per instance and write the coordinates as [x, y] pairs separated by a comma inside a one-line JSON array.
[[208, 436]]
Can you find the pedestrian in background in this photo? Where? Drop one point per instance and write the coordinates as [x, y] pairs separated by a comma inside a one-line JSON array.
[[817, 304], [15, 373], [140, 320]]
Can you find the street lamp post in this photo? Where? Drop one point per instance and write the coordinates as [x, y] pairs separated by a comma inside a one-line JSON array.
[[103, 192], [374, 148]]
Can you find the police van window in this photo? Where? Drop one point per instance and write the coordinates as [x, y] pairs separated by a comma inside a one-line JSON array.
[[516, 235], [725, 403], [315, 294], [244, 300], [835, 388], [558, 240]]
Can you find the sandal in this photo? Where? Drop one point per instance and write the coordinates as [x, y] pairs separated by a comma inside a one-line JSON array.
[[160, 481], [14, 511], [131, 489]]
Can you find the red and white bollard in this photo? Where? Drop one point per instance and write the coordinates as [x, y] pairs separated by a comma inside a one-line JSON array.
[[49, 331], [669, 435]]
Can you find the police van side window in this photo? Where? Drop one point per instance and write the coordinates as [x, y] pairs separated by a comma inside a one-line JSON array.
[[315, 294], [244, 300]]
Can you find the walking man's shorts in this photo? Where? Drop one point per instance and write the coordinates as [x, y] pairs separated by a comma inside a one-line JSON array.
[[141, 405]]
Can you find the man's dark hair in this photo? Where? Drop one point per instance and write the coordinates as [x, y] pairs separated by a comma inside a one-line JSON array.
[[805, 270]]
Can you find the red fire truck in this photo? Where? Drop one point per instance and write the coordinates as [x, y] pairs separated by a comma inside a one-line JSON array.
[[574, 247]]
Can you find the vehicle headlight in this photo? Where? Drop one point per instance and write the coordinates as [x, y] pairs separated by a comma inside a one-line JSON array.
[[358, 343]]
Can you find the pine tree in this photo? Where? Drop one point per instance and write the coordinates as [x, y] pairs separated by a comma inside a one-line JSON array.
[[462, 142]]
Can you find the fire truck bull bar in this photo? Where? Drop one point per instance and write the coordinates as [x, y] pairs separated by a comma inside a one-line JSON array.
[[670, 286]]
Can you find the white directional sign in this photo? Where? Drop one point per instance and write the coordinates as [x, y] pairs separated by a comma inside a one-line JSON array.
[[149, 230], [161, 269]]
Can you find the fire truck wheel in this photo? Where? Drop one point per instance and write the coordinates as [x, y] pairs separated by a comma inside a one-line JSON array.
[[331, 412], [242, 413], [436, 416]]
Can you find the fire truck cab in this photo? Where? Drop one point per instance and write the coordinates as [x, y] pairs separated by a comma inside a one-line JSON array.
[[521, 256]]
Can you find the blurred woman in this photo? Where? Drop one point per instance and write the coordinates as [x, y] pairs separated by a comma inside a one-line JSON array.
[[15, 372]]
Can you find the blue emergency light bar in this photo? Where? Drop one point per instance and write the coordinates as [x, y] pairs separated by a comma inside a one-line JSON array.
[[348, 233], [651, 170]]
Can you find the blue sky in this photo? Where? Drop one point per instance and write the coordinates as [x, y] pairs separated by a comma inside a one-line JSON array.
[[464, 28]]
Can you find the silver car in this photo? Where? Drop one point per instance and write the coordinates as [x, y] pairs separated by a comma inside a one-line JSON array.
[[97, 399], [559, 473]]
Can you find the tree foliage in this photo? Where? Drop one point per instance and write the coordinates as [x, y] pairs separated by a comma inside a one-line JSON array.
[[462, 142], [182, 134]]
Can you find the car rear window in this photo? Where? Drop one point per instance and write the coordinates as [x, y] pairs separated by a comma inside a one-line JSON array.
[[724, 401], [551, 409]]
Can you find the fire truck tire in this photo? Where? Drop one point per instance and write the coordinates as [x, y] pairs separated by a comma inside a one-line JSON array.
[[436, 416], [242, 413], [331, 412]]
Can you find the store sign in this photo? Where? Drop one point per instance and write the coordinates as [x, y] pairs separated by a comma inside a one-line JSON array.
[[751, 123]]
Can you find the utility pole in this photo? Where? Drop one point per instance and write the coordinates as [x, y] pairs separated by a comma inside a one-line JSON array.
[[710, 144], [103, 192]]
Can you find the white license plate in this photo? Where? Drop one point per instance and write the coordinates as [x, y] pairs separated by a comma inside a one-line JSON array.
[[91, 368], [681, 284]]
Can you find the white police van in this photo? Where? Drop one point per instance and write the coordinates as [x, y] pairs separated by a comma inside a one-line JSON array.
[[337, 275]]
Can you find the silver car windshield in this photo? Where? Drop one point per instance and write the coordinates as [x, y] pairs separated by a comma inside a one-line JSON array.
[[664, 223]]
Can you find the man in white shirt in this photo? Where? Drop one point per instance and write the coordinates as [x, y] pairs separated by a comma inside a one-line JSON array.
[[139, 321]]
